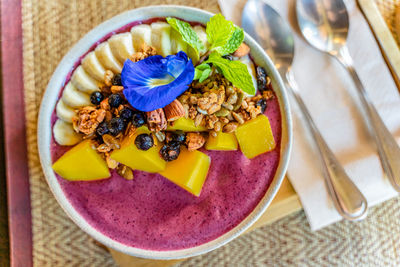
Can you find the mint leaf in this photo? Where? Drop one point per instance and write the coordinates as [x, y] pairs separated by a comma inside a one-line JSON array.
[[235, 71], [205, 75], [219, 32], [187, 33], [233, 43], [202, 72]]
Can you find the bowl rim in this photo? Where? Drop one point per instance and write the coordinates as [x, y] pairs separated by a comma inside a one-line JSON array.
[[51, 97]]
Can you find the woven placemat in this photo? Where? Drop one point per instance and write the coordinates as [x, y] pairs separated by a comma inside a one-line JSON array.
[[50, 28]]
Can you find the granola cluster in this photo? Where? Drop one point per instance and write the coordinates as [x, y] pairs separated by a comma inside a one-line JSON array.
[[214, 104], [219, 106]]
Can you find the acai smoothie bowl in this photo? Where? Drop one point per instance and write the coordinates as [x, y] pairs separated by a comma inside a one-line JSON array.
[[165, 132]]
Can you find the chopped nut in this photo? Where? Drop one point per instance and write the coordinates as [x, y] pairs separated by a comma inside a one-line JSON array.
[[108, 76], [112, 164], [111, 141], [227, 106], [224, 120], [232, 99], [198, 119], [194, 141], [192, 112], [115, 89], [230, 127], [156, 120], [184, 98], [174, 110], [103, 148], [238, 117], [160, 136], [125, 172], [214, 108], [244, 105], [242, 50], [193, 100], [268, 94], [217, 126], [186, 107], [213, 133]]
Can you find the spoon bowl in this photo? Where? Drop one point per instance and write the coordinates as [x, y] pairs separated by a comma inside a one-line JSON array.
[[323, 23], [277, 39]]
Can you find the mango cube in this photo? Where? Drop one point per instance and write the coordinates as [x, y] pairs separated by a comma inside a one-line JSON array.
[[223, 141], [131, 156], [189, 171], [82, 163], [255, 137], [186, 125]]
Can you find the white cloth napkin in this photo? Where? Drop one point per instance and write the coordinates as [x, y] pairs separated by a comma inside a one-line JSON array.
[[330, 95]]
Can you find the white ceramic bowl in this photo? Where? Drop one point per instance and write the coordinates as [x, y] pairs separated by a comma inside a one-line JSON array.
[[57, 81]]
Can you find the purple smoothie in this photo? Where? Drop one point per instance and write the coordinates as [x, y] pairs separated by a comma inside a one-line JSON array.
[[150, 212]]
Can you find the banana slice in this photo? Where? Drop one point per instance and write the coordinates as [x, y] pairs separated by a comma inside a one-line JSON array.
[[121, 46], [64, 134], [177, 43], [75, 98], [252, 70], [106, 57], [83, 81], [141, 34], [64, 112], [201, 32], [93, 67], [160, 38]]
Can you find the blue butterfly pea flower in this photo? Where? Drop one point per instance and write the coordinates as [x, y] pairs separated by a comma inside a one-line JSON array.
[[154, 82]]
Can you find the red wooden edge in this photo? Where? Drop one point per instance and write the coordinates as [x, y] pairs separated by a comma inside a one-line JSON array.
[[19, 208]]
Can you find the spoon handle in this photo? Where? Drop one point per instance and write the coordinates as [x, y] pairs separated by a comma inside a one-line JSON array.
[[388, 149], [347, 198]]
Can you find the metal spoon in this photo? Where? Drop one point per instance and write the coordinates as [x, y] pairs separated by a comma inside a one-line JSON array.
[[265, 25], [325, 24]]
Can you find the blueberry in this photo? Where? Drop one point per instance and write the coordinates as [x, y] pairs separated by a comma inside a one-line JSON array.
[[178, 137], [126, 114], [261, 78], [261, 82], [116, 125], [263, 104], [116, 80], [138, 119], [261, 72], [96, 98], [102, 129], [144, 141], [228, 57], [115, 100], [170, 151]]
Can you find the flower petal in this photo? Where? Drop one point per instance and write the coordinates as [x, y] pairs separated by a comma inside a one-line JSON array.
[[154, 82]]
